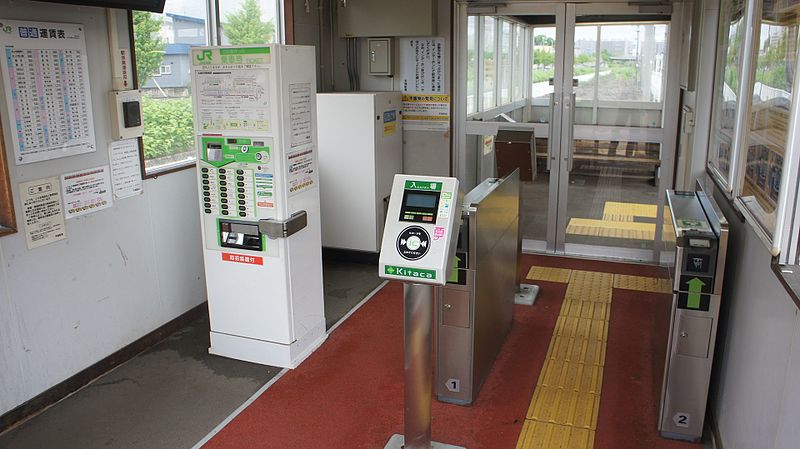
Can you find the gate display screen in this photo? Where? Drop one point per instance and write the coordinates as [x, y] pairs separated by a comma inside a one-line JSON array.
[[419, 206]]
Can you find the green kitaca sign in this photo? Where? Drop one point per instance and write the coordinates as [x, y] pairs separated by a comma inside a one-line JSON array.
[[430, 186], [409, 272]]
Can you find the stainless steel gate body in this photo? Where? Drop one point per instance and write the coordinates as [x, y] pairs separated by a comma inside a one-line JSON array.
[[701, 240], [475, 308]]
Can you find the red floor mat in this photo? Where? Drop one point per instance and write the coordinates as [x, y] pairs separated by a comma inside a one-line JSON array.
[[349, 393]]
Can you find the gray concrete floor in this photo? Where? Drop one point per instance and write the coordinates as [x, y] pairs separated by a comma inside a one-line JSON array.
[[172, 395]]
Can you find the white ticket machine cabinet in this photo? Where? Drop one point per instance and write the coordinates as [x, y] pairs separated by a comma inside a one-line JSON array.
[[255, 123], [418, 248]]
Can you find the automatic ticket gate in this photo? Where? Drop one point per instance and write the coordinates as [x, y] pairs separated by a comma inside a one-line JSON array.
[[476, 306], [700, 240]]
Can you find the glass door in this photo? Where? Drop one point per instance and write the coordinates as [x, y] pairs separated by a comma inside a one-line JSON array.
[[614, 140], [574, 97]]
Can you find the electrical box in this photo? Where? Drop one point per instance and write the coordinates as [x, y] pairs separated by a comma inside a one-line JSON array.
[[421, 232], [380, 55], [375, 18], [360, 151], [255, 124], [126, 114]]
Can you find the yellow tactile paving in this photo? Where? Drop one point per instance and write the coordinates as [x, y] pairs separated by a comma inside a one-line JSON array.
[[595, 310], [549, 274], [566, 401], [542, 435], [574, 327], [565, 407], [578, 350], [642, 283], [616, 229], [571, 376], [630, 209]]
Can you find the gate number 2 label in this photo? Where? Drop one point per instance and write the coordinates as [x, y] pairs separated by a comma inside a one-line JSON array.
[[682, 419]]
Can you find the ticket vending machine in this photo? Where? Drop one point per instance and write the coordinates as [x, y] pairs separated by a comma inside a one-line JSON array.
[[418, 248], [255, 124], [700, 243]]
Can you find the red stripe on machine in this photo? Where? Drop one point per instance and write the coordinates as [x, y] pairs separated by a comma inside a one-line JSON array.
[[241, 258]]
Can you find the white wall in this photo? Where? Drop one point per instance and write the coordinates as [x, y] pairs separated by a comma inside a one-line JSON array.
[[424, 152], [121, 272], [756, 381]]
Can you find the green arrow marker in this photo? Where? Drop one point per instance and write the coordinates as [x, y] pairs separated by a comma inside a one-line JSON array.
[[695, 288], [454, 272]]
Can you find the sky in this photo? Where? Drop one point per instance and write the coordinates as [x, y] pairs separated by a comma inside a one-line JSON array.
[[197, 8]]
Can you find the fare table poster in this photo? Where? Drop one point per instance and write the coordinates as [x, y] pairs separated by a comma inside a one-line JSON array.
[[46, 80]]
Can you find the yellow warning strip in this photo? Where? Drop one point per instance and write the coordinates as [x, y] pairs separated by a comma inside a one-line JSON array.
[[565, 406], [642, 283], [616, 229], [551, 274], [566, 401]]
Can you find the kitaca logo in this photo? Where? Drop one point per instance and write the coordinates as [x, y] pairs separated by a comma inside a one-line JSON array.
[[204, 55], [6, 28]]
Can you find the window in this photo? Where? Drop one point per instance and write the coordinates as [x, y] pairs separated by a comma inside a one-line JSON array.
[[769, 120], [472, 64], [726, 88], [489, 62], [505, 63], [519, 63], [248, 21], [8, 223], [162, 44]]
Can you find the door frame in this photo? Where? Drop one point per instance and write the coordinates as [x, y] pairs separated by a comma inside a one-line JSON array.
[[566, 13]]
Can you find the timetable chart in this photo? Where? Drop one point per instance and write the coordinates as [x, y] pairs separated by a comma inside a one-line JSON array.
[[47, 89]]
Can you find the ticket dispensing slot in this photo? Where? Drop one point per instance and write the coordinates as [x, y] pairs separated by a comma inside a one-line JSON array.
[[240, 235]]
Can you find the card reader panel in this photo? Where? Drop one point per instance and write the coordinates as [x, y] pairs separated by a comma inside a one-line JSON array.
[[240, 235]]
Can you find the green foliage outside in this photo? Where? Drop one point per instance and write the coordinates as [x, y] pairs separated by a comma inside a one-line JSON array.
[[771, 66], [245, 27], [541, 39], [543, 57], [168, 126], [148, 45]]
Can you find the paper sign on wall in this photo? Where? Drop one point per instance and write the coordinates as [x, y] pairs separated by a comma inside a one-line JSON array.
[[46, 80], [126, 173], [422, 65], [42, 211], [86, 191], [426, 112]]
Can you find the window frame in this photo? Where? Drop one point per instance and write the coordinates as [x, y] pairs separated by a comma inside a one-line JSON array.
[[782, 241], [284, 34], [8, 219]]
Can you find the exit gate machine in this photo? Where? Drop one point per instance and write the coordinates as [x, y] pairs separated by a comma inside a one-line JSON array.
[[255, 125], [418, 248], [701, 240]]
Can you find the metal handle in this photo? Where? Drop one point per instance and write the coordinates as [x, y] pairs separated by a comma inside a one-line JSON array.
[[448, 306], [276, 229], [550, 156], [570, 139]]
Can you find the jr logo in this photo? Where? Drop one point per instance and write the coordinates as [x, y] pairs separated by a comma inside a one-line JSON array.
[[204, 55]]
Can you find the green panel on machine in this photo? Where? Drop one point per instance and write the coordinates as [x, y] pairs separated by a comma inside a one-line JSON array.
[[220, 151]]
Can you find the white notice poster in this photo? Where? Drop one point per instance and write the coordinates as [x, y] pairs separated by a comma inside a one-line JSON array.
[[426, 112], [422, 65], [231, 87], [86, 191], [300, 114], [126, 173], [46, 80], [41, 207], [302, 170]]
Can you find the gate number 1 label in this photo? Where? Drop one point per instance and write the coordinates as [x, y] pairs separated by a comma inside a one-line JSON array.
[[454, 385]]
